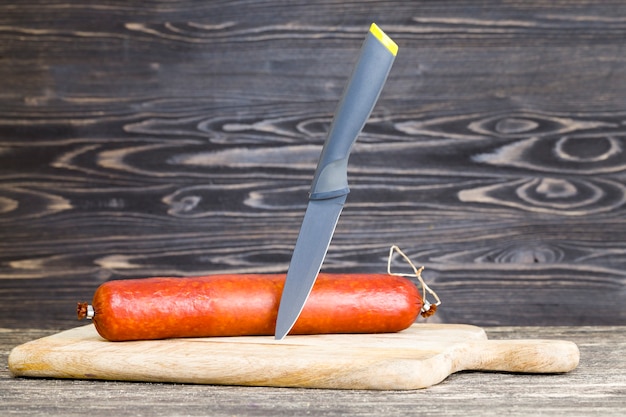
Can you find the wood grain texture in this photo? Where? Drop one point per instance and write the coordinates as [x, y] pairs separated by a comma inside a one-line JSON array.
[[596, 387], [419, 357], [180, 138]]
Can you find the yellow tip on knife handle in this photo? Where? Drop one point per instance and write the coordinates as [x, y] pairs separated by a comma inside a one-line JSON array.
[[384, 39]]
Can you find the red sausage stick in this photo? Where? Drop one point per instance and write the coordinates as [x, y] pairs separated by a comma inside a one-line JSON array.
[[237, 305]]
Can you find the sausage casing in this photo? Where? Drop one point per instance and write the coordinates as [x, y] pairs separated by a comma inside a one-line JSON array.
[[247, 304]]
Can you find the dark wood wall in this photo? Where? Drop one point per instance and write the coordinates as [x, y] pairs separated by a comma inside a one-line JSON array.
[[142, 138]]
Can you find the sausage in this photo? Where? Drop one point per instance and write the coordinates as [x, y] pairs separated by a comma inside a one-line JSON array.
[[247, 304]]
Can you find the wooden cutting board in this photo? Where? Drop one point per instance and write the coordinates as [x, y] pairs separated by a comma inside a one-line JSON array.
[[421, 356]]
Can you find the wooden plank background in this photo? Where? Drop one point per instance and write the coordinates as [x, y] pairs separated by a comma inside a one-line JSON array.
[[180, 138]]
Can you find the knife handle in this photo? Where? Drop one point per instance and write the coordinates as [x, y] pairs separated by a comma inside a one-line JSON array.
[[366, 82]]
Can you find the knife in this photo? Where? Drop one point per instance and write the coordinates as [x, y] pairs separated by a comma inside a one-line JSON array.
[[329, 189]]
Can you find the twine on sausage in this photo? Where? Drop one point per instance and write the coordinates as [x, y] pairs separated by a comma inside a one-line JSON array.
[[428, 309]]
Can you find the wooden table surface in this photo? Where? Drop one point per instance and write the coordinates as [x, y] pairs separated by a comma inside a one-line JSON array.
[[596, 388], [180, 138]]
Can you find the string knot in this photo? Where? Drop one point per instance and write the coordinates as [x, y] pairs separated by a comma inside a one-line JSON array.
[[428, 309]]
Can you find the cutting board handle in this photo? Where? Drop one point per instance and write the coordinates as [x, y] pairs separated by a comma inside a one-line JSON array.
[[534, 356]]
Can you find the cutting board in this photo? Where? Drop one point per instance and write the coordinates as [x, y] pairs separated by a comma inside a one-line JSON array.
[[419, 357]]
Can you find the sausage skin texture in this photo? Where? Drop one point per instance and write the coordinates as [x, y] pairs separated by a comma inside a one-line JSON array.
[[247, 304]]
